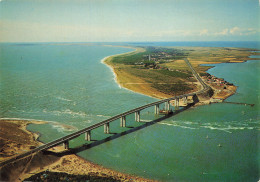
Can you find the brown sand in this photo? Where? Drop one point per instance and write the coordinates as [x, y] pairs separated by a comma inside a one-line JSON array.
[[134, 83], [15, 139]]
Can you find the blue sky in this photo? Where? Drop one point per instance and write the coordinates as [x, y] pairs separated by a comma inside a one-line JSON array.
[[128, 20]]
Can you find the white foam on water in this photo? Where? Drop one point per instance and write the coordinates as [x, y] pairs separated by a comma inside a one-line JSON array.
[[87, 121], [111, 69], [64, 99], [56, 125], [19, 119], [25, 119], [227, 126], [62, 127], [214, 128], [100, 115], [177, 125], [69, 112], [146, 121], [114, 74]]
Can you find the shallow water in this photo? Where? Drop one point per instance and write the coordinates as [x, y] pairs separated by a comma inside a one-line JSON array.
[[68, 85]]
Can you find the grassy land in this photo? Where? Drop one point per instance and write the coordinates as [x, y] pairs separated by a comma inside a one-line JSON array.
[[161, 71]]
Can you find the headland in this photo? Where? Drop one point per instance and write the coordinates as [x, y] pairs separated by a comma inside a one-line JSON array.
[[161, 72]]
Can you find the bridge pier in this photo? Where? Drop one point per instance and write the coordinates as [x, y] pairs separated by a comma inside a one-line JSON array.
[[137, 116], [123, 121], [88, 136], [185, 100], [156, 110], [66, 145], [106, 128], [167, 105], [176, 103]]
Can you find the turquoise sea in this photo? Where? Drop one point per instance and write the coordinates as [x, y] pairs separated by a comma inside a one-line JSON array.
[[69, 87]]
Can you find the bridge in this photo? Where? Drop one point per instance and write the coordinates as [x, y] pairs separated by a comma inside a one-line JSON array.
[[87, 131]]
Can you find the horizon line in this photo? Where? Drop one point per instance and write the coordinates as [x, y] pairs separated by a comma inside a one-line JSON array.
[[141, 41]]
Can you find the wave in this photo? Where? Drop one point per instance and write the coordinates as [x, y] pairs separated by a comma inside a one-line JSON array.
[[74, 114], [18, 119], [225, 126], [214, 128], [61, 127], [115, 76], [87, 121], [67, 111], [111, 69], [23, 119], [186, 127], [228, 128], [64, 99], [100, 115], [144, 120]]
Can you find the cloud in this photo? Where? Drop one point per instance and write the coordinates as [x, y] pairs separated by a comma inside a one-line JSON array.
[[27, 31], [204, 32], [235, 30], [17, 31], [243, 31], [223, 32]]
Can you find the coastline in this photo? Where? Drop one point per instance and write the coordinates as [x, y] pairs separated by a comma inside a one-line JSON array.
[[116, 79], [111, 67], [116, 76], [54, 162], [136, 84], [130, 86]]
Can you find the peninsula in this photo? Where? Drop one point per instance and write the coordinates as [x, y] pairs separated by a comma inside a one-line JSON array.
[[161, 72]]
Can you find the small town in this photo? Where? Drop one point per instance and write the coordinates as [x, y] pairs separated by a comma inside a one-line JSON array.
[[222, 88], [211, 79]]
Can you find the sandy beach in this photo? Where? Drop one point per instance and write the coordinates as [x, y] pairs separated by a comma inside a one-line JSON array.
[[132, 82]]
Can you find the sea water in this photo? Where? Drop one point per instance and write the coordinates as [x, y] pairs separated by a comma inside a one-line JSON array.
[[69, 87]]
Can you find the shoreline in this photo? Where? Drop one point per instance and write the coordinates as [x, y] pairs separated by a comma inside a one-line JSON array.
[[110, 67], [115, 75], [71, 164], [157, 95], [116, 79]]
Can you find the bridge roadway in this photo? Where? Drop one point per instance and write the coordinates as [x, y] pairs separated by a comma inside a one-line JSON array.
[[71, 136]]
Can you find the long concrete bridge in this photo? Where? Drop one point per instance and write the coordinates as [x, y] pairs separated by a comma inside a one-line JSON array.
[[87, 131]]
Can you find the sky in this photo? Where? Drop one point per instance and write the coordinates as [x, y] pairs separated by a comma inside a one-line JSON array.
[[129, 20]]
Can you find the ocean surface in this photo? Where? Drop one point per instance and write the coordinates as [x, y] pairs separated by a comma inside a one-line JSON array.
[[69, 87]]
